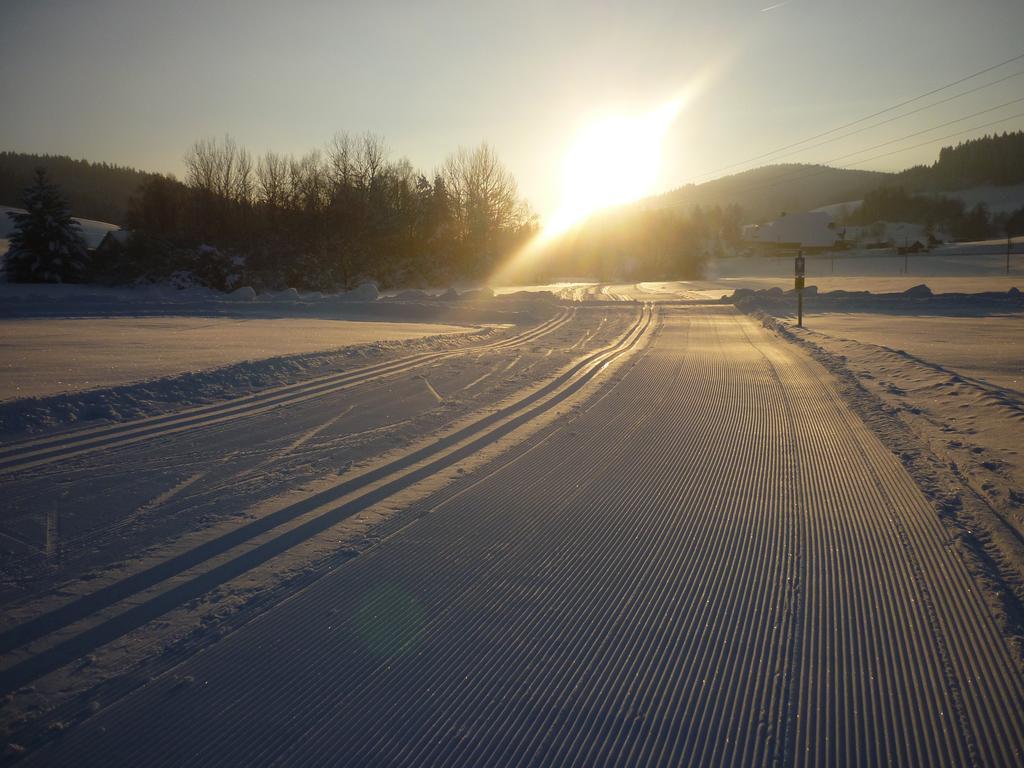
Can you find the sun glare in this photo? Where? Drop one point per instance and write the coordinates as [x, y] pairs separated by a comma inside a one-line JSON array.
[[613, 161]]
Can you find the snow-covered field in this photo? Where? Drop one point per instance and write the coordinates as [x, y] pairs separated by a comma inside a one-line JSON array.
[[988, 347], [557, 464], [952, 268], [957, 267], [40, 357], [669, 511]]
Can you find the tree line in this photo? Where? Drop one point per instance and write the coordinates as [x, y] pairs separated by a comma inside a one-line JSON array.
[[935, 212], [997, 159], [325, 220]]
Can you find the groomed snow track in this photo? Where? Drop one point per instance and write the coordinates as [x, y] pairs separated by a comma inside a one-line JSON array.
[[715, 564]]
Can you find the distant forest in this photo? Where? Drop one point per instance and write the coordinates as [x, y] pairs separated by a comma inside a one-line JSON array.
[[996, 159], [98, 191], [327, 220], [764, 193], [915, 194]]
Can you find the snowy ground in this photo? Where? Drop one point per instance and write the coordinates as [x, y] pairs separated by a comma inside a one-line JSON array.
[[82, 353], [40, 357], [635, 499], [956, 267], [990, 348], [941, 379], [669, 512]]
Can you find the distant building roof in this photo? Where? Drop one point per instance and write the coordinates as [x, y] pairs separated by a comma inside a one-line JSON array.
[[115, 237], [808, 229]]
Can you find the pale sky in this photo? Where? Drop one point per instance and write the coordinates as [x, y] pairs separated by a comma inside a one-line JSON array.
[[136, 82]]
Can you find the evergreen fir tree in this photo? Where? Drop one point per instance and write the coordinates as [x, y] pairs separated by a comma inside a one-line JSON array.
[[46, 245]]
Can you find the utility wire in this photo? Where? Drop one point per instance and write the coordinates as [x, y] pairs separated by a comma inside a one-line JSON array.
[[817, 172], [898, 117], [943, 138], [867, 117], [904, 138]]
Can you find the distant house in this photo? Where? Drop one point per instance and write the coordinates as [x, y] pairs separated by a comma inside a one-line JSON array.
[[113, 241], [813, 230]]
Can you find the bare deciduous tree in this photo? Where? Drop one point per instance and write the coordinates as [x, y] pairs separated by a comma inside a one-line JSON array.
[[310, 182], [220, 167], [483, 198], [274, 180]]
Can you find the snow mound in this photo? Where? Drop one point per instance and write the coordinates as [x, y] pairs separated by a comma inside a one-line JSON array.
[[413, 295], [478, 294], [912, 301], [245, 293], [364, 292]]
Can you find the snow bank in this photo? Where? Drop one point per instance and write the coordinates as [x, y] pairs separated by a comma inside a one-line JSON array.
[[364, 292], [916, 300], [246, 293]]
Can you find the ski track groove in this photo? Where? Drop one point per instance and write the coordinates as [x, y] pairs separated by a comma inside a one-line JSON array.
[[399, 474], [726, 568], [35, 452]]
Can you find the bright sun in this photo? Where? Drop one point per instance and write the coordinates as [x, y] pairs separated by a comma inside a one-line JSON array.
[[612, 161]]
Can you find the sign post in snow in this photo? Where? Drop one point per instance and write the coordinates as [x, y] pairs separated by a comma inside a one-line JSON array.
[[798, 284]]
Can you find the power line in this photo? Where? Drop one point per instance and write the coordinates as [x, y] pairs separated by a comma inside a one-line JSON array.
[[900, 117], [910, 136], [943, 138], [818, 172], [810, 174], [867, 117]]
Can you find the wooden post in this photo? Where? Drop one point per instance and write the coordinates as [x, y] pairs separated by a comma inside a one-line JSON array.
[[1008, 238], [52, 532], [798, 284]]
